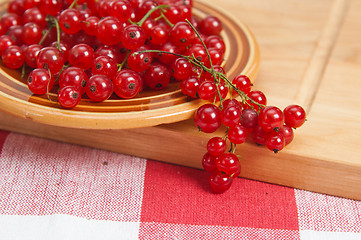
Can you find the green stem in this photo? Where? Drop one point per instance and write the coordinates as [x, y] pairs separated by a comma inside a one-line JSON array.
[[72, 4], [120, 66], [45, 34], [56, 23], [140, 23], [165, 18]]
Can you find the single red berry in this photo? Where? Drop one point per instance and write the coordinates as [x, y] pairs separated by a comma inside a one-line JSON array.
[[13, 57], [39, 81], [249, 118], [243, 83], [122, 10], [31, 33], [228, 163], [190, 86], [287, 133], [207, 90], [5, 42], [132, 37], [109, 30], [139, 62], [50, 58], [271, 118], [181, 69], [208, 118], [73, 76], [127, 83], [182, 35], [105, 65], [295, 116], [70, 20], [30, 54], [258, 97], [209, 162], [211, 25], [69, 97], [275, 142], [259, 135], [220, 182], [216, 146], [81, 55], [157, 76], [231, 116], [99, 88], [215, 41], [237, 134]]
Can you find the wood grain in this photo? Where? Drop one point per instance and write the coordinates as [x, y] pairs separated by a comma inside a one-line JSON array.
[[311, 54]]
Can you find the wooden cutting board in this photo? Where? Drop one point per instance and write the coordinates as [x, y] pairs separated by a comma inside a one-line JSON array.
[[311, 55]]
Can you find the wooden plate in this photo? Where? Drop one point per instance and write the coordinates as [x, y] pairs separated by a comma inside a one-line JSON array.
[[150, 108]]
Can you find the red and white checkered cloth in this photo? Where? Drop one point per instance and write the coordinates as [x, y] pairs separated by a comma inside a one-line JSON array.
[[57, 191]]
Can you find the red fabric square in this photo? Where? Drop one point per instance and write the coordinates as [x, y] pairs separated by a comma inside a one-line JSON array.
[[180, 195]]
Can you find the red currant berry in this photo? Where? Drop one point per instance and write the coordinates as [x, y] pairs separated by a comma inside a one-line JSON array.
[[39, 81], [220, 182], [249, 118], [211, 25], [81, 55], [127, 83], [109, 30], [13, 57], [228, 163], [99, 88], [231, 116], [31, 33], [295, 116], [287, 133], [5, 42], [90, 25], [50, 58], [207, 90], [237, 134], [209, 162], [208, 118], [30, 54], [157, 76], [51, 7], [122, 10], [105, 65], [132, 37], [271, 119], [190, 87], [73, 76], [182, 69], [70, 21], [243, 83], [34, 15], [182, 35], [259, 135], [139, 62], [215, 41], [257, 97], [275, 142], [216, 146], [159, 35], [69, 97]]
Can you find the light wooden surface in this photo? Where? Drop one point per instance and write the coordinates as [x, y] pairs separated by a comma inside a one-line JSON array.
[[311, 55]]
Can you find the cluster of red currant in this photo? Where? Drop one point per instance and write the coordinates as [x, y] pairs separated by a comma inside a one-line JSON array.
[[93, 49]]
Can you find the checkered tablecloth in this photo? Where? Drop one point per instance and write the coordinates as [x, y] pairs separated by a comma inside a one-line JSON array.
[[52, 190]]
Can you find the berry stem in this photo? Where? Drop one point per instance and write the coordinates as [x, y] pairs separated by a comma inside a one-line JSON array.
[[140, 23], [73, 4], [165, 18], [45, 34], [121, 65]]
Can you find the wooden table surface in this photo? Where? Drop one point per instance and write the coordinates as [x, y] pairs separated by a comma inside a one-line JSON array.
[[310, 55]]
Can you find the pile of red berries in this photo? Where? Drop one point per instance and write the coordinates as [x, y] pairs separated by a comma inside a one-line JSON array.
[[94, 49]]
